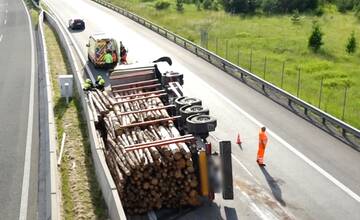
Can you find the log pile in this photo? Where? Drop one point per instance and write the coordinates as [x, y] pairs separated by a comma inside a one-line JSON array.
[[146, 178]]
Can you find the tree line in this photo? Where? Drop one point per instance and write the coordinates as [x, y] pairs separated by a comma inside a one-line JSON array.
[[272, 6]]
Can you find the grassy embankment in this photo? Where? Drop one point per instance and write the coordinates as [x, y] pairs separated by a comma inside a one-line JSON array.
[[34, 13], [81, 195], [280, 40]]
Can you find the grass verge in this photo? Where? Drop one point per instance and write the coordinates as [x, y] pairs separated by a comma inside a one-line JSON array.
[[279, 41], [81, 195], [34, 12]]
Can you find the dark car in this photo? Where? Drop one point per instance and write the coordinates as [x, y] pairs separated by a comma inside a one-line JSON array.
[[76, 24]]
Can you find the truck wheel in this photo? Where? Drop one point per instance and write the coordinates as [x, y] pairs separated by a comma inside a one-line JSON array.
[[173, 77], [189, 110], [180, 102], [201, 124]]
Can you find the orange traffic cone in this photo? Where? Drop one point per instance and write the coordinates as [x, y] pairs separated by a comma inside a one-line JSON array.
[[238, 141]]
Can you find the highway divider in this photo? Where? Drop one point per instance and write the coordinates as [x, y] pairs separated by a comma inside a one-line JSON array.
[[52, 200], [104, 177], [314, 115]]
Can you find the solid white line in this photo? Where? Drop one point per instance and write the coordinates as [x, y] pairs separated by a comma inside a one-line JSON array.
[[287, 145], [253, 206], [27, 163], [245, 168]]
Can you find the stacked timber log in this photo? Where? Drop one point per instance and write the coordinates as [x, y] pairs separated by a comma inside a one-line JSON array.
[[146, 177]]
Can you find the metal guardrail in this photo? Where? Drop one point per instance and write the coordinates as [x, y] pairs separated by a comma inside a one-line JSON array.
[[52, 199], [319, 118]]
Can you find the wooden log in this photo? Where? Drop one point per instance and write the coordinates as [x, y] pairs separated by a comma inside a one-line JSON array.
[[98, 104], [104, 99]]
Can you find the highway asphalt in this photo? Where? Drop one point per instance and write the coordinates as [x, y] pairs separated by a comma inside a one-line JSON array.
[[309, 174], [18, 141]]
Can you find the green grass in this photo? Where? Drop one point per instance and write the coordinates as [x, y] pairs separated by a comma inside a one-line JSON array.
[[34, 13], [281, 41], [81, 195]]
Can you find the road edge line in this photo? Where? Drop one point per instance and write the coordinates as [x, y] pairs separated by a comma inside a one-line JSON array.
[[29, 133]]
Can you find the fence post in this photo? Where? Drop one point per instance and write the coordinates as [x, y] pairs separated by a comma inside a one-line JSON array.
[[217, 45], [321, 90], [264, 67], [298, 84], [282, 74], [344, 105], [251, 54], [238, 56], [227, 47]]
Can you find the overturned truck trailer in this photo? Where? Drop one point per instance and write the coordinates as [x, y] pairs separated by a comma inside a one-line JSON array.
[[154, 138]]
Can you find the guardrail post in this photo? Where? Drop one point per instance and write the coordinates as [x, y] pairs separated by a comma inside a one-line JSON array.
[[321, 89], [217, 46], [196, 52], [306, 111], [298, 83], [282, 75], [251, 55], [265, 67], [238, 56], [185, 44], [227, 48], [289, 102], [344, 132], [344, 105]]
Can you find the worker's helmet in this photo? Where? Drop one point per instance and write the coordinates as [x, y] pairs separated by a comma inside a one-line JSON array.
[[99, 77], [101, 82], [88, 81]]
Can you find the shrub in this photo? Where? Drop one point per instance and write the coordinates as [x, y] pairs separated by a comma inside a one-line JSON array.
[[180, 5], [296, 17], [162, 4], [315, 39], [351, 45], [207, 4]]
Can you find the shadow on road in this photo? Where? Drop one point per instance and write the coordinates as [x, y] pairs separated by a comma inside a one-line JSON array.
[[275, 189]]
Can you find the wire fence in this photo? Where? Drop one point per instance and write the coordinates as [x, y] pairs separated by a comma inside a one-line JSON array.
[[341, 101]]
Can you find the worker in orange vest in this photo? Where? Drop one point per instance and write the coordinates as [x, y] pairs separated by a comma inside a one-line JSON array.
[[262, 145]]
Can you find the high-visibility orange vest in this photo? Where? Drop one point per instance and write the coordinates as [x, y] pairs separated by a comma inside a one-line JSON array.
[[263, 138]]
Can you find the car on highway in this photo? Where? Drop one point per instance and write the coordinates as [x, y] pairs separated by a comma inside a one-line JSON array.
[[76, 24]]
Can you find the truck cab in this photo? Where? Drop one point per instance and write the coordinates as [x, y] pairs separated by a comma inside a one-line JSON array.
[[98, 46]]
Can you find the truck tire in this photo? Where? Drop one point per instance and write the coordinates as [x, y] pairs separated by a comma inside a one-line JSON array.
[[201, 124], [189, 110], [172, 77], [180, 102]]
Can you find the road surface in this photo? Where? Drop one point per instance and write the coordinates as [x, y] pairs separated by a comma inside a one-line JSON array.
[[309, 174], [18, 117]]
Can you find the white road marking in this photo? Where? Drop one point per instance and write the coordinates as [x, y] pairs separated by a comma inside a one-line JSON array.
[[27, 161], [254, 207], [5, 21], [1, 37], [246, 169]]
